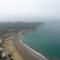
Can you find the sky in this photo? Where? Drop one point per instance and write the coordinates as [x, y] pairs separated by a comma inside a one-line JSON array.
[[29, 8]]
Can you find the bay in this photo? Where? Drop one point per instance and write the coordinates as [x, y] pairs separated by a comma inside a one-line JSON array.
[[46, 39]]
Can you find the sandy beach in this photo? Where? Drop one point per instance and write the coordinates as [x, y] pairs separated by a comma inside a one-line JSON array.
[[26, 52], [10, 49], [19, 50]]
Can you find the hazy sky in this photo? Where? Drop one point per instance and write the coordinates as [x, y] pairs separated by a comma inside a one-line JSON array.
[[29, 8]]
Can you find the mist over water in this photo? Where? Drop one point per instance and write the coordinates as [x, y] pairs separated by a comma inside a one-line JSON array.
[[46, 39]]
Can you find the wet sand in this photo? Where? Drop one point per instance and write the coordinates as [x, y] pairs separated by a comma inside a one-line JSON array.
[[25, 53]]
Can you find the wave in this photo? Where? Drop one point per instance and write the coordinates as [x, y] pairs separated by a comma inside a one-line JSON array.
[[32, 51]]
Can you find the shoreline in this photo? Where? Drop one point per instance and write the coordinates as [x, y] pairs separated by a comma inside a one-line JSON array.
[[28, 52], [33, 52], [20, 50]]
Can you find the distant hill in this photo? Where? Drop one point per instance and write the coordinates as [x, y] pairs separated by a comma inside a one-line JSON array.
[[5, 26]]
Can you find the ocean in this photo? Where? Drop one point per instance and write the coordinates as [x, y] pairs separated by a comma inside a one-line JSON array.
[[46, 39]]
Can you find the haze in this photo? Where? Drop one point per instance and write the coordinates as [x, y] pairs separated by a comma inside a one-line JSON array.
[[29, 8]]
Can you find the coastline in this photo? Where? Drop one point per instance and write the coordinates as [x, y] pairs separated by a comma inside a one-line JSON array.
[[19, 50], [27, 52], [33, 52]]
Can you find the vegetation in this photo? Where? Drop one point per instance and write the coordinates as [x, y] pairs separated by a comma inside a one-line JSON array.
[[17, 26]]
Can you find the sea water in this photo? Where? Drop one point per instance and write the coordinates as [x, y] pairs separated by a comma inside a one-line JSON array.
[[46, 39]]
